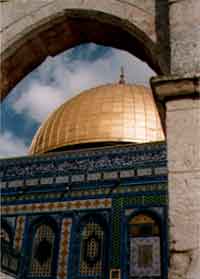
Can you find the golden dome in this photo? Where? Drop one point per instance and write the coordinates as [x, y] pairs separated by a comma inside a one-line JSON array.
[[106, 114]]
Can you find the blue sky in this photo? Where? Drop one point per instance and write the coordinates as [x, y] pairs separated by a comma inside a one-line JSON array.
[[56, 80]]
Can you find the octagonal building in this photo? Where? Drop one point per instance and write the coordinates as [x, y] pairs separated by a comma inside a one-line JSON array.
[[90, 198]]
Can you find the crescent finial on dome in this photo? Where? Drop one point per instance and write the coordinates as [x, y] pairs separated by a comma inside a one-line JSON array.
[[122, 77]]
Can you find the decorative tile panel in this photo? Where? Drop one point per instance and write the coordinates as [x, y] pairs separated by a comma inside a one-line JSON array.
[[110, 175], [46, 180], [94, 176], [42, 252], [3, 184], [78, 177], [160, 170], [127, 173], [64, 248], [145, 257], [57, 206], [19, 232], [62, 179], [31, 182], [92, 250], [15, 183], [144, 171], [82, 161]]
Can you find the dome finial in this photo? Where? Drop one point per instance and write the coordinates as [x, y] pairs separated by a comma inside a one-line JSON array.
[[122, 79]]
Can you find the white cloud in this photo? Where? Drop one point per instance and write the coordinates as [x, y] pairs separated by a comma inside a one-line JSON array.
[[38, 101], [70, 77], [62, 77], [11, 146]]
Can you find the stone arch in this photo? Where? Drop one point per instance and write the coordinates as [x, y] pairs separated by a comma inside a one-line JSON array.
[[31, 32]]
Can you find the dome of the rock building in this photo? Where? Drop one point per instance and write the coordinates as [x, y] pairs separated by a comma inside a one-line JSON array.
[[106, 114]]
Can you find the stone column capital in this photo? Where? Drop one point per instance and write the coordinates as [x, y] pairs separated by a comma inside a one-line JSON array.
[[167, 88]]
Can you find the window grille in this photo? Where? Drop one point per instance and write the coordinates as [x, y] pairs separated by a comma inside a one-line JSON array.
[[4, 236], [92, 249], [42, 252], [9, 258]]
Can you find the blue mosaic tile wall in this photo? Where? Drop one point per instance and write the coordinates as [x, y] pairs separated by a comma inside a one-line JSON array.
[[112, 182]]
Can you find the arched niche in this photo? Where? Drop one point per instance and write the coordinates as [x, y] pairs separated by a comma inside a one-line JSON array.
[[9, 256], [90, 257], [31, 32], [42, 247], [6, 233], [145, 251]]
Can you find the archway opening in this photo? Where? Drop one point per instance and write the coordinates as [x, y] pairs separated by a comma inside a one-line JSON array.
[[70, 29], [43, 235], [59, 79]]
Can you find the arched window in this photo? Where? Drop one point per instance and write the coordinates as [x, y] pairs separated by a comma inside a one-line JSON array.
[[92, 249], [6, 245], [144, 247], [42, 252], [9, 257], [4, 235]]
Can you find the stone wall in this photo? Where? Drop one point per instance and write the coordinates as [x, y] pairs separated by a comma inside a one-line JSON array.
[[185, 36], [181, 97], [183, 130], [5, 276], [183, 139]]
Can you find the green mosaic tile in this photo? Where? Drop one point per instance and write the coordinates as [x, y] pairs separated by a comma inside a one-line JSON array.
[[116, 231], [134, 201], [161, 199]]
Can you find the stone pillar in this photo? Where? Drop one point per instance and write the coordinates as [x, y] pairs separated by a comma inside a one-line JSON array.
[[181, 98], [184, 28]]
